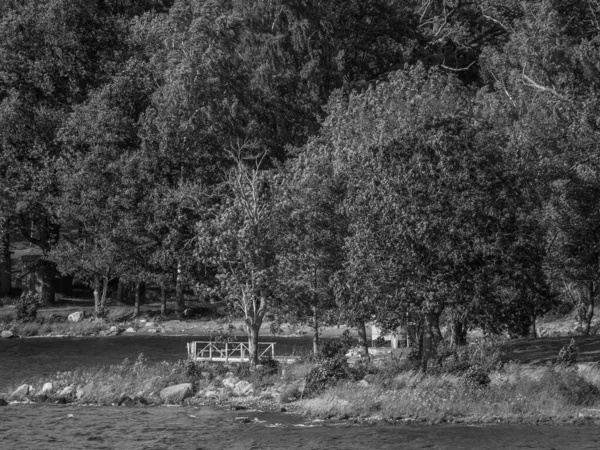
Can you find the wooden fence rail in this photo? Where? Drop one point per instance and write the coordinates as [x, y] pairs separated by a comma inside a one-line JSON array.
[[227, 351]]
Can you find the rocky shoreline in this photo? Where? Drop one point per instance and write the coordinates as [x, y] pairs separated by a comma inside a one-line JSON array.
[[231, 391]]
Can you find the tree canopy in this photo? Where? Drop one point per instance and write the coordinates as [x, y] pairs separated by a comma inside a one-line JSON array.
[[424, 164]]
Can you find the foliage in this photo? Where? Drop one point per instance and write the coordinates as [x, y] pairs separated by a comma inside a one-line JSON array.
[[567, 356], [337, 347], [26, 307], [318, 162], [575, 389], [325, 374], [476, 377], [269, 366]]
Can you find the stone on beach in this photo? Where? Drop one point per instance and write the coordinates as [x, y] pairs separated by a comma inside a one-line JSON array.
[[243, 388], [230, 381], [67, 392], [6, 334], [76, 316], [125, 400], [176, 394], [46, 388], [20, 393]]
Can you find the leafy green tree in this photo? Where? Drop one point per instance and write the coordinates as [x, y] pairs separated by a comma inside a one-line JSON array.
[[53, 53], [239, 239], [312, 232]]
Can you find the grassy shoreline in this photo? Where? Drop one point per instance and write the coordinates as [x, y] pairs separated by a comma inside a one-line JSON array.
[[515, 394]]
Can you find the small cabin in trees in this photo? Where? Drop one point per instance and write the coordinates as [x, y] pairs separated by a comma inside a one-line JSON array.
[[397, 339]]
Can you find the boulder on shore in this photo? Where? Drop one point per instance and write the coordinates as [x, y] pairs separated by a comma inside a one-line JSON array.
[[176, 394], [46, 388], [20, 393], [6, 334], [40, 397], [243, 388], [67, 392], [125, 400], [76, 316], [230, 381]]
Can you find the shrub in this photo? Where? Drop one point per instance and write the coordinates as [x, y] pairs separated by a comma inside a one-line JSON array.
[[489, 356], [26, 308], [191, 369], [334, 348], [476, 377], [269, 365], [362, 368], [326, 373], [567, 356], [575, 389]]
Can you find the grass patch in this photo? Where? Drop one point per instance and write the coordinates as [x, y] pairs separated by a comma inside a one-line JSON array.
[[103, 385], [51, 327], [514, 393]]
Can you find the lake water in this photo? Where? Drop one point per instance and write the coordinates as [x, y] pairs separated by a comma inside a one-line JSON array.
[[49, 427], [53, 427], [21, 359]]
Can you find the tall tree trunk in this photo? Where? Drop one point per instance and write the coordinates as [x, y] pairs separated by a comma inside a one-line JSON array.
[[163, 300], [47, 235], [120, 291], [104, 295], [429, 337], [253, 330], [46, 274], [534, 333], [179, 298], [97, 287], [5, 263], [458, 333], [315, 326], [138, 295], [589, 314], [436, 331], [362, 337]]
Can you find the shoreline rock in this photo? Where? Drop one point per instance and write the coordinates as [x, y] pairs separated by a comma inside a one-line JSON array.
[[176, 394], [6, 334]]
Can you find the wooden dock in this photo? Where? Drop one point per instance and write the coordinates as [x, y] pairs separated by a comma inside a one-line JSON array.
[[227, 351]]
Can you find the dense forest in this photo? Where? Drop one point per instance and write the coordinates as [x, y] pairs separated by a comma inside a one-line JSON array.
[[416, 163]]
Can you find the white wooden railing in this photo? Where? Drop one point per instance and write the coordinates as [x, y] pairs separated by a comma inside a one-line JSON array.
[[227, 351]]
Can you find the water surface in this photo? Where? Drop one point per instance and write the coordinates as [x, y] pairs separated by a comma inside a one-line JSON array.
[[22, 359], [70, 427]]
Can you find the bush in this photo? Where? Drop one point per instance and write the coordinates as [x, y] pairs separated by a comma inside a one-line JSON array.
[[567, 356], [326, 373], [476, 377], [26, 308], [335, 348], [269, 365], [362, 368], [489, 356], [575, 389]]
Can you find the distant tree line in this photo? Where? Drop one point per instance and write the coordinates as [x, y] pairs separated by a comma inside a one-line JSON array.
[[419, 163]]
